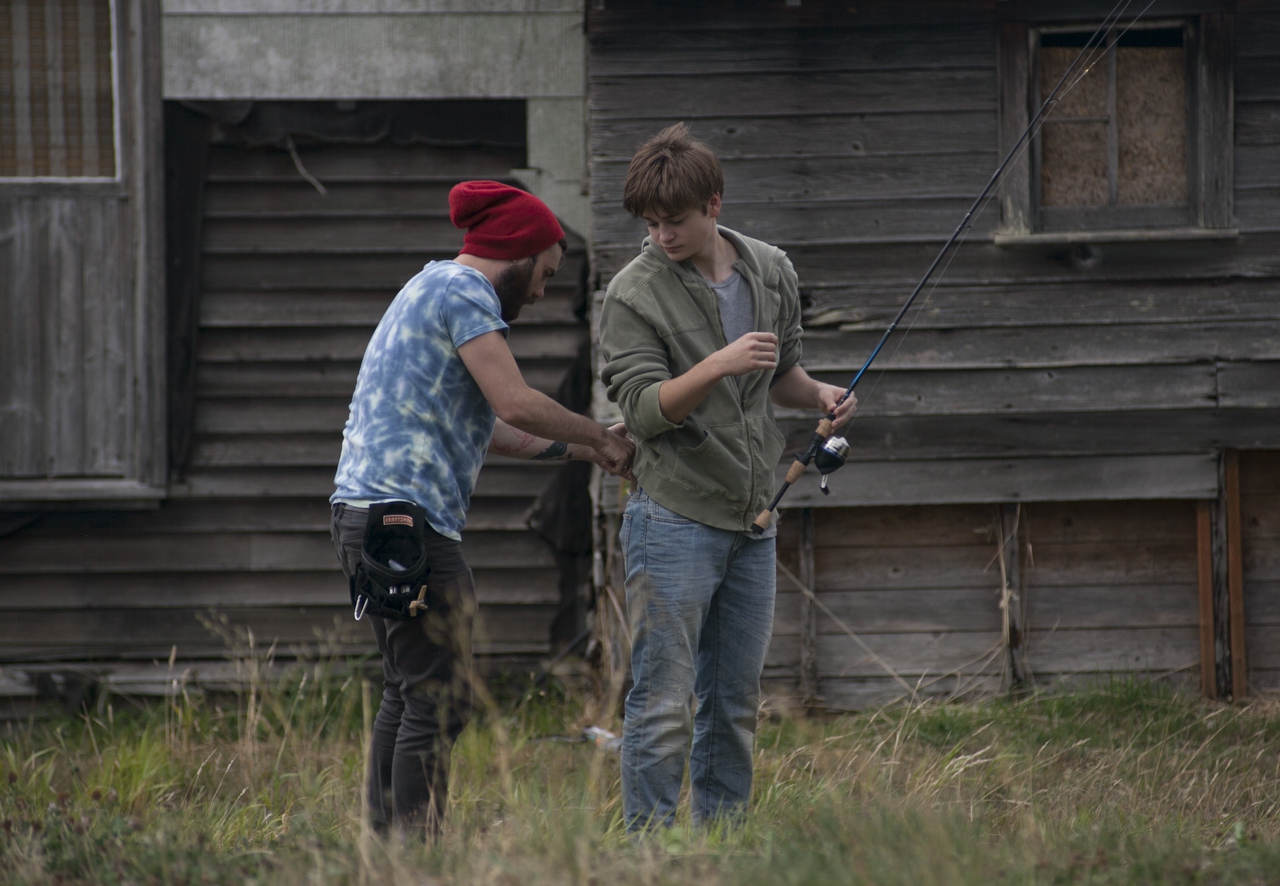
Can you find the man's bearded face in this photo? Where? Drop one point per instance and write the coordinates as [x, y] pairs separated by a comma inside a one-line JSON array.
[[515, 287]]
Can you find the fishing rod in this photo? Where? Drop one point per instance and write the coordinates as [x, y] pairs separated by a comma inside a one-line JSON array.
[[829, 452]]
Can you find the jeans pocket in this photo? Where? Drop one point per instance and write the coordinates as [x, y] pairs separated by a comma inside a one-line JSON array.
[[660, 514]]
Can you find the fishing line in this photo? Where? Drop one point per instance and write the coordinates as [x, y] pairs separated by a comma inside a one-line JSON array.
[[829, 451]]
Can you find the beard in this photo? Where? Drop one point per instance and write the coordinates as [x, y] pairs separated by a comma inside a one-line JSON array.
[[512, 287]]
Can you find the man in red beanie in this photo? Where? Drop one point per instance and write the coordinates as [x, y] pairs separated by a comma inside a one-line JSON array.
[[438, 387]]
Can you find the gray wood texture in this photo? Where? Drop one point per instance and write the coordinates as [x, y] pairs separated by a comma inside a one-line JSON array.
[[244, 533]]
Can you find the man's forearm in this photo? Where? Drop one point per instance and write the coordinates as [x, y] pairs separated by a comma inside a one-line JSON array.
[[538, 415], [516, 443], [795, 389]]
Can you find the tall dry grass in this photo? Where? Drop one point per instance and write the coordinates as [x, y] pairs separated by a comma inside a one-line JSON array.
[[1129, 783]]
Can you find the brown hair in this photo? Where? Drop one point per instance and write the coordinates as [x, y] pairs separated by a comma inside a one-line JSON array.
[[672, 173]]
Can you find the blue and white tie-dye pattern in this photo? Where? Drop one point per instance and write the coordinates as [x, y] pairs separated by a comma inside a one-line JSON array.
[[419, 424]]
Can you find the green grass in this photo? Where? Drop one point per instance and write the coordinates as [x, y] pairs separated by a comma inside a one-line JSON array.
[[1125, 784]]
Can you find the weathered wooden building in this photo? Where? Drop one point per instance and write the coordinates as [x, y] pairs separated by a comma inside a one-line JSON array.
[[1066, 469], [167, 450]]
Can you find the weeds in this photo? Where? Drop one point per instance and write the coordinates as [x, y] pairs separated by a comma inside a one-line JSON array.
[[1125, 784]]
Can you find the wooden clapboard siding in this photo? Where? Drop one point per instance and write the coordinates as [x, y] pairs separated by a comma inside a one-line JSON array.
[[293, 285], [1111, 590], [856, 146]]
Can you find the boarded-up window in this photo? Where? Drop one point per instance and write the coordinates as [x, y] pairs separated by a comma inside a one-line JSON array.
[[57, 113], [1118, 139]]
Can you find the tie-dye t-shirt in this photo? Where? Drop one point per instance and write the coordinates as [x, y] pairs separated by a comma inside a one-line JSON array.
[[419, 424]]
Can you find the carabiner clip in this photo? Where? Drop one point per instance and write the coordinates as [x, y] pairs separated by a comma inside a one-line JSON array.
[[362, 603]]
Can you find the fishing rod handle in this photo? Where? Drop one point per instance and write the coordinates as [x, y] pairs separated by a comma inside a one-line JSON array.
[[826, 428]]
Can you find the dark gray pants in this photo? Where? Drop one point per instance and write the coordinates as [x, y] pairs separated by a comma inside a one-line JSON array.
[[426, 696]]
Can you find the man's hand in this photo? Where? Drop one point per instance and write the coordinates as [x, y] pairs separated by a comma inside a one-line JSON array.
[[796, 389], [616, 452], [829, 395], [679, 396], [755, 350]]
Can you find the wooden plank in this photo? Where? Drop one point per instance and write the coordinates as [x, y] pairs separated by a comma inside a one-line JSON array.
[[782, 180], [367, 269], [1082, 478], [868, 693], [1111, 522], [941, 131], [1248, 385], [888, 264], [1067, 389], [1257, 79], [201, 591], [105, 632], [1105, 605], [364, 161], [858, 308], [1049, 346], [912, 610], [64, 406], [1014, 66], [245, 515], [674, 97], [808, 220], [232, 415], [1259, 516], [1115, 650], [333, 378], [899, 438], [1261, 472], [1235, 575], [925, 527], [1257, 30], [349, 343], [236, 552], [946, 567], [910, 655], [1258, 209], [1257, 123], [698, 52], [359, 308], [21, 353], [1264, 647], [808, 611], [669, 15], [259, 450], [1204, 596], [277, 197], [430, 233]]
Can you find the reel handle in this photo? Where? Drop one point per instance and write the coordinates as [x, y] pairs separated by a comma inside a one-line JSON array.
[[825, 429]]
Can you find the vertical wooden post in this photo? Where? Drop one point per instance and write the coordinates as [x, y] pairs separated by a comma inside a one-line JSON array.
[[808, 614], [1204, 581], [1011, 575], [1235, 575]]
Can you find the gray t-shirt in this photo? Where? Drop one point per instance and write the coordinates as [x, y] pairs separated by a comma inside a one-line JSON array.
[[737, 313], [738, 317]]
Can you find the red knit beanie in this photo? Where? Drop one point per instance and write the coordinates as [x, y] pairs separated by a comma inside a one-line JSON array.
[[501, 221]]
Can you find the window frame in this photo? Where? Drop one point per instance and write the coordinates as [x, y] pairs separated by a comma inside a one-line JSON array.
[[1209, 40]]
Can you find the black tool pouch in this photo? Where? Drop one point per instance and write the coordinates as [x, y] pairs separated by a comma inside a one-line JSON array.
[[391, 579]]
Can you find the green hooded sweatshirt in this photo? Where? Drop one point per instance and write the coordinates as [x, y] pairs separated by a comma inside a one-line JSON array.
[[660, 318]]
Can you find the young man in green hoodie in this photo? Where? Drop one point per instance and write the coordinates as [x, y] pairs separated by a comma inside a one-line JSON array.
[[700, 333]]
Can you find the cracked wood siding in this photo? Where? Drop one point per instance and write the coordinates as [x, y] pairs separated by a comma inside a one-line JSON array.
[[284, 319]]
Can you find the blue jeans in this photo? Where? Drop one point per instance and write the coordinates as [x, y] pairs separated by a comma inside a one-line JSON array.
[[700, 601]]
